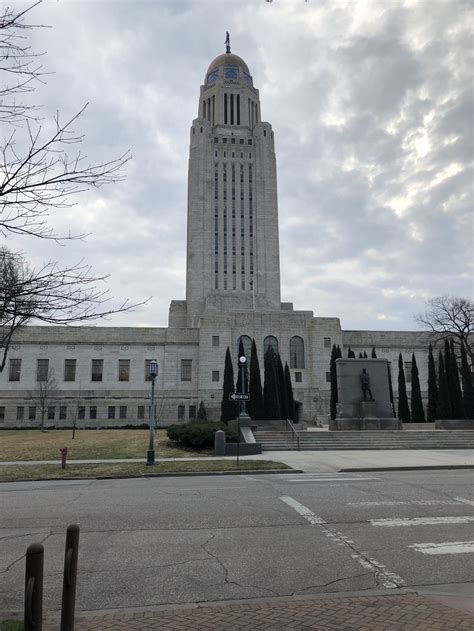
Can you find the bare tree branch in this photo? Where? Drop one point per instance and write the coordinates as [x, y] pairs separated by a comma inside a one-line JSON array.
[[450, 316], [51, 294], [38, 172]]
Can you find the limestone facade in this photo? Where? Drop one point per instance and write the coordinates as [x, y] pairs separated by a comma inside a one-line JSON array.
[[232, 290]]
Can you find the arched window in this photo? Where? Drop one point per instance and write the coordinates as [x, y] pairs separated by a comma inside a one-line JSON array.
[[296, 352], [270, 340], [247, 342]]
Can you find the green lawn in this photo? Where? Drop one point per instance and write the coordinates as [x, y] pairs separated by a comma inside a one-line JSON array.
[[15, 473], [33, 444], [11, 625]]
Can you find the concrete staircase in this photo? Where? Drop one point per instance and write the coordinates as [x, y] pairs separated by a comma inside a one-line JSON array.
[[272, 440]]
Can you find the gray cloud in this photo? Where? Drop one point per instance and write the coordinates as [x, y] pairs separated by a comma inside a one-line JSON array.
[[372, 111]]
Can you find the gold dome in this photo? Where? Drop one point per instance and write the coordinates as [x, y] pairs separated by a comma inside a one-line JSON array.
[[228, 58]]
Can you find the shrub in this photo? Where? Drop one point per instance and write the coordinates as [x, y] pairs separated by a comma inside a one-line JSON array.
[[199, 435]]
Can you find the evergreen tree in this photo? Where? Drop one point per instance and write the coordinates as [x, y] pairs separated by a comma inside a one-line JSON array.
[[228, 407], [255, 405], [202, 413], [281, 387], [365, 355], [289, 394], [339, 352], [361, 356], [350, 353], [390, 390], [403, 409], [374, 354], [467, 388], [432, 388], [443, 406], [332, 369], [417, 411], [271, 400], [242, 388], [457, 406]]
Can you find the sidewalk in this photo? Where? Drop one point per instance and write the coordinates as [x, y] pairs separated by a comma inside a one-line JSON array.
[[327, 461], [376, 612]]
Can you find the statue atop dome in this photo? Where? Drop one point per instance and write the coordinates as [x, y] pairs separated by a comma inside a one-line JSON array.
[[227, 42]]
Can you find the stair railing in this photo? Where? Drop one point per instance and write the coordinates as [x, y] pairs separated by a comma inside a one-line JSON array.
[[294, 433]]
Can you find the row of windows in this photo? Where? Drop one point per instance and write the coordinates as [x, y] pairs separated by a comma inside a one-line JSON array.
[[32, 413], [60, 412], [232, 141], [297, 358], [43, 372]]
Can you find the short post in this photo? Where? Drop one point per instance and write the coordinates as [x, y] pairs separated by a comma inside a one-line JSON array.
[[63, 452], [33, 613], [69, 578], [219, 443], [152, 373]]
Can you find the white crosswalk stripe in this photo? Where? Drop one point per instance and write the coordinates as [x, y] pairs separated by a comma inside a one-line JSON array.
[[322, 477], [448, 547], [422, 521]]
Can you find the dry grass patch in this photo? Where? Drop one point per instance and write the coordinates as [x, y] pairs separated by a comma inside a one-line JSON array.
[[15, 473], [33, 444]]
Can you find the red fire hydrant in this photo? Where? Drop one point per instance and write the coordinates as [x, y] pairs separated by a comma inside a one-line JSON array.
[[63, 453]]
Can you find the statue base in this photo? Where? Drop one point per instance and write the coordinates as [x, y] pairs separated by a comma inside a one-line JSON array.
[[364, 424]]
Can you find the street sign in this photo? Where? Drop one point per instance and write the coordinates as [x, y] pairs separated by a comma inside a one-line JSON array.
[[239, 397]]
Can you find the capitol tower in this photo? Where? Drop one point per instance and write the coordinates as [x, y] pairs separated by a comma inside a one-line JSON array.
[[232, 243]]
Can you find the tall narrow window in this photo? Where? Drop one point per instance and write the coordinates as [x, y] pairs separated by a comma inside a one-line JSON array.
[[204, 108], [231, 109], [15, 370], [327, 342], [141, 410], [42, 369], [270, 340], [69, 370], [62, 412], [32, 413], [247, 344], [192, 412], [20, 413], [238, 109], [296, 352], [124, 370], [225, 108], [186, 369], [111, 412], [123, 412], [181, 411], [97, 369], [213, 110]]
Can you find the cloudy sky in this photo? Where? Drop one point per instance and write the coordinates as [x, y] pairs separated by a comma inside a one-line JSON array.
[[371, 105]]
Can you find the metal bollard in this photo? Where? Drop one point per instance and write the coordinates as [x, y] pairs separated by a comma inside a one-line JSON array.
[[33, 613], [69, 578]]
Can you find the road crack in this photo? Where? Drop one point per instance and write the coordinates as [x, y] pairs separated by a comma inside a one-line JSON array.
[[227, 581]]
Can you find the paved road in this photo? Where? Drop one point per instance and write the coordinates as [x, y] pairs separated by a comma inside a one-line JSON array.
[[178, 540]]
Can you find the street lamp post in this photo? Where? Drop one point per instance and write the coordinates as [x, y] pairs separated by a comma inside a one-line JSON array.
[[242, 413], [152, 373]]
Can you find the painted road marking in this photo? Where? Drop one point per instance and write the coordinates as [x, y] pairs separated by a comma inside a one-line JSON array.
[[422, 521], [328, 479], [464, 501], [452, 547], [454, 502], [302, 510], [388, 579]]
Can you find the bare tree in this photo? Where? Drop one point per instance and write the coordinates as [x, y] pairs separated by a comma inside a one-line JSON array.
[[44, 394], [451, 317], [37, 175], [51, 295], [37, 171]]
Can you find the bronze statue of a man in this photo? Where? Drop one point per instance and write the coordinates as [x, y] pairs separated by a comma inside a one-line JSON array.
[[227, 42], [365, 383]]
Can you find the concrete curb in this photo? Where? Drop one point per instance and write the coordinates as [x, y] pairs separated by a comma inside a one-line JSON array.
[[175, 474], [408, 468]]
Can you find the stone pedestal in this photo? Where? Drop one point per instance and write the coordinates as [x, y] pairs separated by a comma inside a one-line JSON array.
[[355, 413], [367, 409]]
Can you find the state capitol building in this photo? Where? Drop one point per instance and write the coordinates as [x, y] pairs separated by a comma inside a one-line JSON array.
[[232, 294]]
